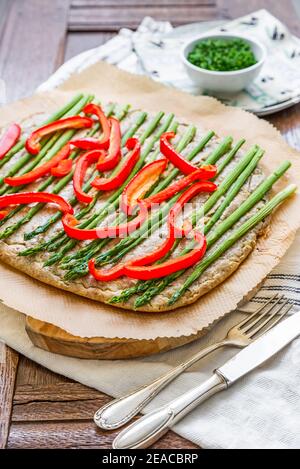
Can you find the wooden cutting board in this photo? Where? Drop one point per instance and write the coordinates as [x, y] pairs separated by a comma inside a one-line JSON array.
[[54, 339]]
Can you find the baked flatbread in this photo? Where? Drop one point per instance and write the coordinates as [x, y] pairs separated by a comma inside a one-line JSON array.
[[87, 286]]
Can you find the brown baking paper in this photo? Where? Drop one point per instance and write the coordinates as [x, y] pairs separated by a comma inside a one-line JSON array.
[[87, 318]]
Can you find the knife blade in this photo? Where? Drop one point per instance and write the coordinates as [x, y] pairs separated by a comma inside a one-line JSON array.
[[261, 349], [148, 429]]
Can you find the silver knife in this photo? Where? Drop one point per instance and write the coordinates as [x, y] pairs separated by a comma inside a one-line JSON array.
[[148, 429]]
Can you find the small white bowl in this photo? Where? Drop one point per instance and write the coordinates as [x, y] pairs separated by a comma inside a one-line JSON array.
[[226, 82]]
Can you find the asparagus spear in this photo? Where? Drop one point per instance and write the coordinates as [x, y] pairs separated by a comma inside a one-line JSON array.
[[238, 174], [220, 230], [95, 246], [155, 222], [60, 236], [98, 244], [57, 188], [54, 144], [127, 244], [44, 151], [57, 115], [43, 228], [112, 201], [235, 236]]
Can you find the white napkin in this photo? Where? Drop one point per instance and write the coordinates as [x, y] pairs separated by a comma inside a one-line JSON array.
[[261, 411], [153, 50]]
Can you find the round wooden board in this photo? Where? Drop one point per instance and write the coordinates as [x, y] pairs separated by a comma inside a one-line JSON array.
[[54, 339]]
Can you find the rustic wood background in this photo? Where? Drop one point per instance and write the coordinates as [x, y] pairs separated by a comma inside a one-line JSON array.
[[39, 409]]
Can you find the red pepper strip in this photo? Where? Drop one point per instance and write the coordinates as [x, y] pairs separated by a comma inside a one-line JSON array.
[[105, 275], [140, 184], [40, 171], [93, 143], [130, 160], [3, 214], [76, 122], [115, 272], [69, 223], [82, 164], [63, 168], [202, 186], [205, 172], [30, 197], [86, 143], [113, 156], [170, 266], [176, 159], [9, 139]]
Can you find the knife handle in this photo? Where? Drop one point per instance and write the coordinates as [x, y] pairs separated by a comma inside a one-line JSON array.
[[148, 429], [120, 411]]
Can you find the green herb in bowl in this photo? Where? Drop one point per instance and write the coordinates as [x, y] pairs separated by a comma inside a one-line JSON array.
[[223, 55]]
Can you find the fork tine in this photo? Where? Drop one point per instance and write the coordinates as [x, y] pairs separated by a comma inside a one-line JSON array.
[[273, 323], [260, 316], [268, 319], [248, 318]]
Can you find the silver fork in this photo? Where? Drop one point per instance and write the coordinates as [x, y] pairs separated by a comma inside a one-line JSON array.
[[120, 411]]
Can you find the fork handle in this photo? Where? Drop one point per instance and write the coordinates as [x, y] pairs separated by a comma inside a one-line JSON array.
[[120, 411], [148, 429]]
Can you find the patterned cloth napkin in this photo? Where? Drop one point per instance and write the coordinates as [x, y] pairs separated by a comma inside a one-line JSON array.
[[262, 410], [154, 50]]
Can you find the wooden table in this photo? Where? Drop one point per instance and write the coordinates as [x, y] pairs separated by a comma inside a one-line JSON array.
[[39, 409]]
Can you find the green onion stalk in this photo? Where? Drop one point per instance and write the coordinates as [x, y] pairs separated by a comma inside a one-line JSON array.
[[127, 244], [221, 229], [57, 188]]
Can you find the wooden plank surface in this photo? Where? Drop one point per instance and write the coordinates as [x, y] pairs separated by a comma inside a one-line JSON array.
[[135, 3], [32, 44], [8, 369], [107, 18], [45, 409]]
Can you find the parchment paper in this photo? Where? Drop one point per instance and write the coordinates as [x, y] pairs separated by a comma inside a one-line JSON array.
[[86, 318]]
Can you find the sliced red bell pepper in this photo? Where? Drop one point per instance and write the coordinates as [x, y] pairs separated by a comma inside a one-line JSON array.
[[107, 184], [40, 197], [76, 122], [82, 164], [40, 171], [89, 143], [9, 139], [170, 266], [69, 223], [110, 161], [86, 143], [205, 172], [3, 214], [140, 184], [63, 168], [105, 275], [202, 186], [176, 159]]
